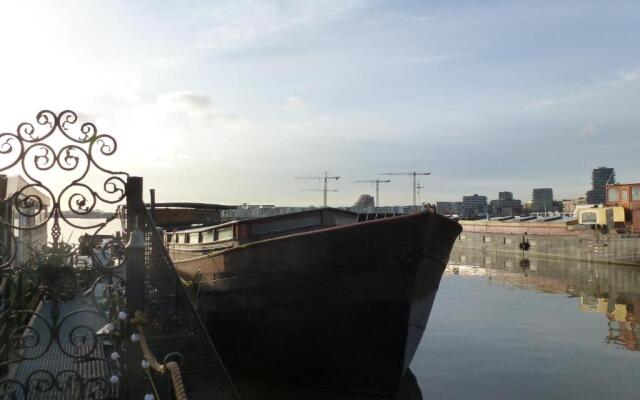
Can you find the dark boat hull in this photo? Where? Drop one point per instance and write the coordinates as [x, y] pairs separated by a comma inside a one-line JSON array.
[[342, 307]]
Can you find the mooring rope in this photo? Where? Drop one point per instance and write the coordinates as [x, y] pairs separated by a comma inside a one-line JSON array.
[[172, 367]]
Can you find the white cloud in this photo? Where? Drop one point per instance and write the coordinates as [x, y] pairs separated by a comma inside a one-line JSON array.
[[293, 104], [430, 60], [547, 103], [629, 76], [193, 108], [235, 23], [178, 128], [622, 77]]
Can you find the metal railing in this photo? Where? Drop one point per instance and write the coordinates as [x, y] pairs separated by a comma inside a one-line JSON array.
[[174, 331]]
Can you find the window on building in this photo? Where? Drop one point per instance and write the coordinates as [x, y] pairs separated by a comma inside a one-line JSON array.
[[624, 195], [613, 194], [635, 193], [169, 237], [589, 217]]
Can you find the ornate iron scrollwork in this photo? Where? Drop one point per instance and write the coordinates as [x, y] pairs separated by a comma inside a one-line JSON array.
[[55, 300]]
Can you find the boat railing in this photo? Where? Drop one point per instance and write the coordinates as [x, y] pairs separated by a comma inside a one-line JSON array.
[[173, 329], [367, 216]]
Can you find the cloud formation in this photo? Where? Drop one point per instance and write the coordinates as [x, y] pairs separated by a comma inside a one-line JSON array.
[[194, 108], [293, 104], [619, 78]]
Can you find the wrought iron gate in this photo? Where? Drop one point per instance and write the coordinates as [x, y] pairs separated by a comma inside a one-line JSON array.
[[65, 330], [61, 306]]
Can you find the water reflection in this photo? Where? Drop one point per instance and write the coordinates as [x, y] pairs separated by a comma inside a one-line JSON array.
[[611, 290], [254, 388]]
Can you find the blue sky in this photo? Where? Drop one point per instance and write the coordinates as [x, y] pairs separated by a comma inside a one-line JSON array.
[[228, 101]]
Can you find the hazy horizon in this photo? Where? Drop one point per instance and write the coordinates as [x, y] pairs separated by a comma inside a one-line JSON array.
[[226, 102]]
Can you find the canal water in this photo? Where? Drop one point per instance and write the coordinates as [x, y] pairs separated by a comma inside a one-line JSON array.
[[511, 327], [517, 328], [71, 234]]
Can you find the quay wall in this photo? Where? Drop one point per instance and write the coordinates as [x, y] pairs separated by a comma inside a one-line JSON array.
[[521, 228], [579, 245]]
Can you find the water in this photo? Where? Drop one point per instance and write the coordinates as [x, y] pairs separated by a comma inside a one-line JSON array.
[[71, 234], [504, 328], [552, 330]]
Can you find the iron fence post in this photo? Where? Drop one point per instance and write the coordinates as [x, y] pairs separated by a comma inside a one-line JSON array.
[[135, 285], [4, 329]]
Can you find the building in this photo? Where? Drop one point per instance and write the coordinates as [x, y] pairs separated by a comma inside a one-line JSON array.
[[365, 201], [473, 206], [626, 195], [600, 177], [569, 205], [390, 210], [449, 207], [505, 196], [246, 211], [30, 217], [542, 200], [505, 205]]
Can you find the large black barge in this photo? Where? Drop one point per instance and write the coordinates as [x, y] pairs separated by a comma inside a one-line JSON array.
[[317, 296]]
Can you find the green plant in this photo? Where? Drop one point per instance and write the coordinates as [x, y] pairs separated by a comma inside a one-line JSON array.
[[53, 254]]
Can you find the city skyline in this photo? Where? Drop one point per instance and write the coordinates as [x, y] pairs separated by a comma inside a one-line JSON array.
[[228, 101]]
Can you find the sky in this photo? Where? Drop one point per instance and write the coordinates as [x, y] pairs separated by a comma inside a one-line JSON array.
[[228, 101]]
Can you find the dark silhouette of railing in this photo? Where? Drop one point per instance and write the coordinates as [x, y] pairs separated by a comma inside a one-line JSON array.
[[172, 327]]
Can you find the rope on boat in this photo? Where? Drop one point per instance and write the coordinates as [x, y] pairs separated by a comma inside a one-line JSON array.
[[172, 367], [194, 286]]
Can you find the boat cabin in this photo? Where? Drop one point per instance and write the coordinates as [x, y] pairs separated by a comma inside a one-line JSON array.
[[627, 196], [251, 230]]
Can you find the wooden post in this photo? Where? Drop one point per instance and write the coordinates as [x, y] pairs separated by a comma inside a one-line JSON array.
[[134, 383]]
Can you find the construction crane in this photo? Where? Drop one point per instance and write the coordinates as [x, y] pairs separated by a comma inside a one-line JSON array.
[[376, 202], [320, 190], [326, 176], [413, 176], [418, 187]]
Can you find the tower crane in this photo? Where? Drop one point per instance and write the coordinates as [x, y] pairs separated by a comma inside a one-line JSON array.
[[326, 176], [377, 182], [413, 175], [418, 187]]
